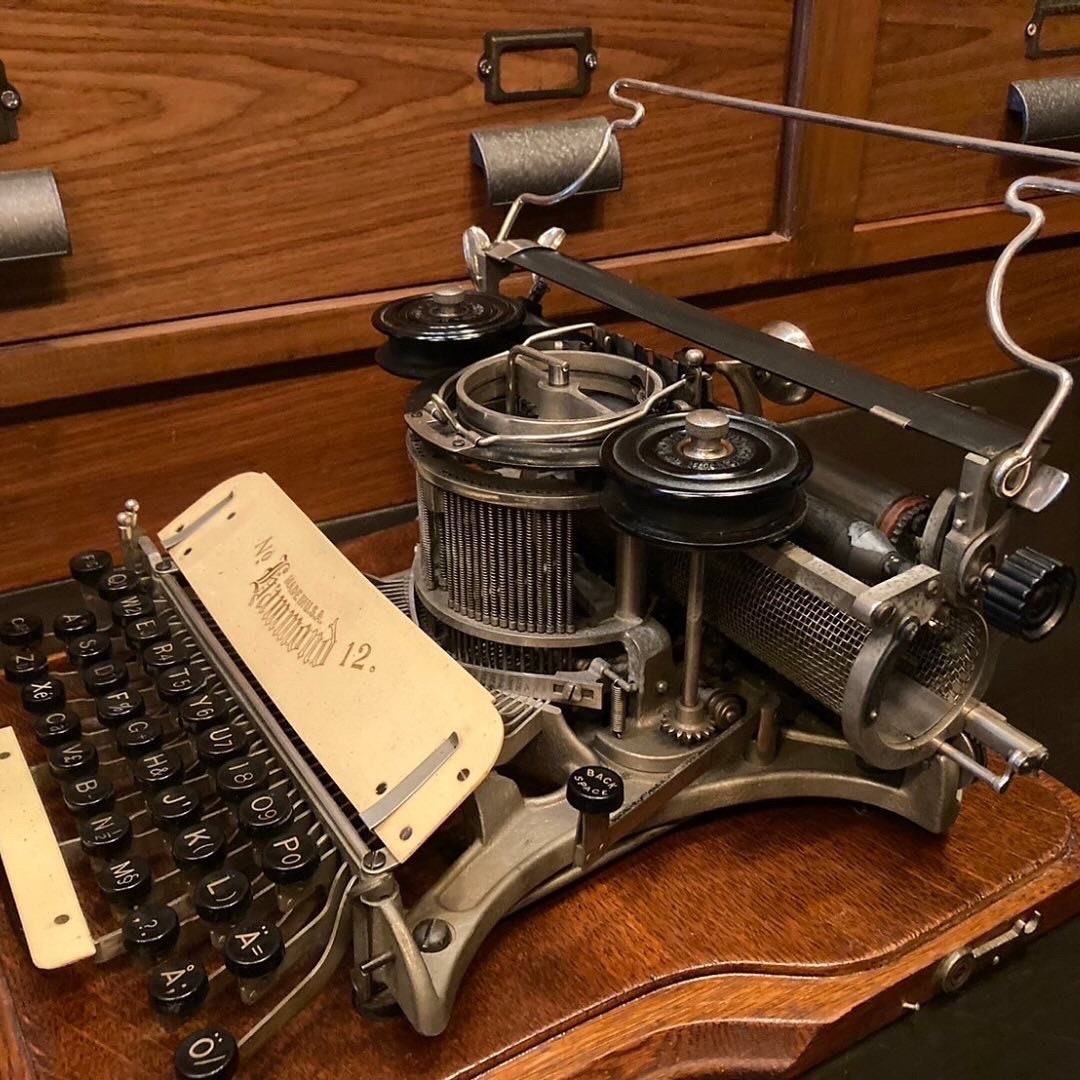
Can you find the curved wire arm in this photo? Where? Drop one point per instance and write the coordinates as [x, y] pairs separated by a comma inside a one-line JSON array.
[[1014, 472]]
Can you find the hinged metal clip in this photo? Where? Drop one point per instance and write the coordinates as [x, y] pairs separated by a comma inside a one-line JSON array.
[[958, 967]]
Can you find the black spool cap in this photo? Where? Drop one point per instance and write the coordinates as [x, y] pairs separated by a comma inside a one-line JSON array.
[[200, 848], [254, 950], [436, 334], [22, 631], [1029, 594], [117, 706], [105, 835], [705, 479], [88, 566], [43, 695], [74, 623], [25, 665], [178, 988], [595, 789], [89, 796], [57, 727], [126, 881], [222, 896], [291, 858], [209, 1054], [151, 930]]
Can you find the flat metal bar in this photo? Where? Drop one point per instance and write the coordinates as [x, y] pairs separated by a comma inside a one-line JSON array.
[[932, 415]]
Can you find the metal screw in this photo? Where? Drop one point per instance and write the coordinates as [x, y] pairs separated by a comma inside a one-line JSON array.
[[933, 587], [883, 613], [10, 99], [955, 970], [485, 68], [432, 935], [374, 861], [1031, 29], [166, 566], [661, 686], [909, 629], [592, 61]]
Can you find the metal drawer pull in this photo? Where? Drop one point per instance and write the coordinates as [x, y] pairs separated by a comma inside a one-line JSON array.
[[499, 42], [1048, 109], [32, 222], [545, 158]]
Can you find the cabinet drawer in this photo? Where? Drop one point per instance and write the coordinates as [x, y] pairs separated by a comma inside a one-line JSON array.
[[215, 156], [949, 66]]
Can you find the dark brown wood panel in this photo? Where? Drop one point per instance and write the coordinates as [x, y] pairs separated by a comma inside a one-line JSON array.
[[216, 156], [947, 66]]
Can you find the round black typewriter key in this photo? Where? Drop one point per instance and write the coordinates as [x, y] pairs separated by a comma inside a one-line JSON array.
[[117, 706], [118, 583], [73, 761], [57, 727], [91, 795], [200, 848], [209, 1054], [145, 631], [126, 881], [264, 814], [106, 835], [201, 711], [164, 654], [222, 896], [105, 676], [46, 694], [157, 770], [218, 744], [139, 736], [25, 665], [134, 606], [290, 859], [175, 808], [237, 779], [73, 624], [88, 566], [22, 631], [151, 930], [176, 683], [254, 950], [89, 649], [595, 789], [178, 989]]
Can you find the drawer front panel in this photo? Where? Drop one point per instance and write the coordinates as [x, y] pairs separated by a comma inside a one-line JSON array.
[[949, 66], [215, 156]]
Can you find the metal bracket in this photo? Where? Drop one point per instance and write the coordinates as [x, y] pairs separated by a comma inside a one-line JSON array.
[[957, 968], [1045, 9], [498, 42], [10, 104]]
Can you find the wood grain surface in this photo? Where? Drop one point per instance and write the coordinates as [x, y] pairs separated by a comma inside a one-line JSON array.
[[755, 942]]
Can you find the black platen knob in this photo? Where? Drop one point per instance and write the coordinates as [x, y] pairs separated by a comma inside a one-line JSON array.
[[209, 1054], [254, 950], [73, 624], [106, 835], [595, 789], [1028, 594], [151, 930], [43, 695], [22, 631], [178, 989], [88, 566], [57, 727], [25, 665]]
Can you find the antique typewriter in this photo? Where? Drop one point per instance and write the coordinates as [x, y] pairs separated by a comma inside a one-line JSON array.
[[630, 605]]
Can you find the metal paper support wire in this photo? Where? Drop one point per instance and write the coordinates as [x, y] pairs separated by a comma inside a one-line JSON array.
[[1013, 472]]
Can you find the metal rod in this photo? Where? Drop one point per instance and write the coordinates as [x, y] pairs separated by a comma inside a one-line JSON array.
[[695, 605], [629, 576]]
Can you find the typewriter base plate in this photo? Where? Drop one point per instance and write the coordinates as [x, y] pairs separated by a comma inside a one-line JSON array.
[[760, 941]]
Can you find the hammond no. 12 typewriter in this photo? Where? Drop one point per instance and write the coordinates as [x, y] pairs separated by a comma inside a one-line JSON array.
[[629, 606]]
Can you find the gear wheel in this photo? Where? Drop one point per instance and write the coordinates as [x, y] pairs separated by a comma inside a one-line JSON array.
[[1028, 594], [689, 734]]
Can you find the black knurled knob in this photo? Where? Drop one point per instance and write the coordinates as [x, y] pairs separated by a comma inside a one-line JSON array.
[[595, 789], [209, 1054], [1029, 594]]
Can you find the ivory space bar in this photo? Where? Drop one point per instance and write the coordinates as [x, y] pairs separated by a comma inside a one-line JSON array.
[[52, 919]]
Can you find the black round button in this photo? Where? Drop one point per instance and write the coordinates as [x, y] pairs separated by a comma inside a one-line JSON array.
[[264, 813], [291, 858], [88, 566], [164, 654], [218, 744], [25, 665], [240, 777], [22, 631], [89, 649], [91, 795], [222, 896], [105, 676], [73, 760], [43, 695], [595, 789], [151, 930], [200, 848], [175, 808], [57, 727], [178, 989], [106, 835], [139, 736], [158, 769], [117, 706], [201, 711], [118, 583], [176, 683], [73, 624], [134, 606], [126, 881], [209, 1054], [254, 950], [145, 631]]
